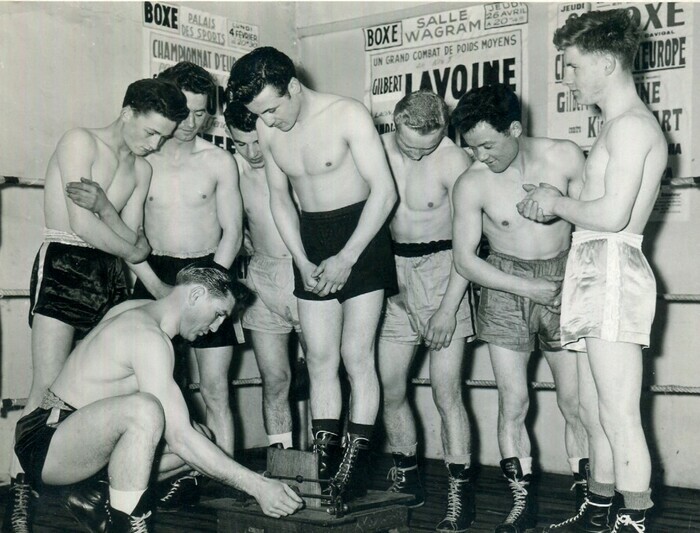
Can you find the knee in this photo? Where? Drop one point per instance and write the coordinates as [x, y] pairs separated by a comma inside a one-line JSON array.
[[358, 360], [215, 390], [147, 414], [276, 383], [446, 396], [513, 406], [393, 392], [569, 407], [617, 417]]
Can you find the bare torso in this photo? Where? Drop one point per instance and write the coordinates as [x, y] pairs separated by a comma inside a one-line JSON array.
[[256, 202], [507, 231], [424, 212], [654, 166], [181, 210], [101, 363], [316, 157], [114, 171]]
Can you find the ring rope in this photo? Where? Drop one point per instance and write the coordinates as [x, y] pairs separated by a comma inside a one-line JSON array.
[[687, 298], [27, 182]]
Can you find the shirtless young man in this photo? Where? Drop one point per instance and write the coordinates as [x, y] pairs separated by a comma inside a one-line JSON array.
[[521, 279], [609, 294], [274, 314], [432, 307], [115, 399], [327, 147], [77, 275], [193, 212]]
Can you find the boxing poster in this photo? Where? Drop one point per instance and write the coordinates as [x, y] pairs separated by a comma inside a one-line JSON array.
[[664, 79], [174, 33], [449, 53]]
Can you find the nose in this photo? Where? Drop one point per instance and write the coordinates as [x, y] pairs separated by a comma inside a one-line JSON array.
[[480, 154], [189, 121], [216, 324], [254, 151], [268, 120], [155, 142]]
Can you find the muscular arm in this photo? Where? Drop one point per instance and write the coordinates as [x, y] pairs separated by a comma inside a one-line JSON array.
[[229, 210], [76, 154], [466, 235], [628, 143], [153, 367], [283, 210]]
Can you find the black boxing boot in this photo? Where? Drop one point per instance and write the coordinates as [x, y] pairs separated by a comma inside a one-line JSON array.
[[461, 500], [19, 507], [351, 479], [630, 521], [327, 445], [88, 503], [523, 514], [139, 521], [580, 486], [592, 517], [405, 478], [182, 492]]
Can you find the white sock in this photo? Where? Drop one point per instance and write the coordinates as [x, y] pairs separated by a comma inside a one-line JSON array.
[[526, 465], [281, 438], [573, 463], [124, 500]]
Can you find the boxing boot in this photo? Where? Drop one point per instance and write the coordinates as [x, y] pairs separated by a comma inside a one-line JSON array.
[[630, 521], [139, 521], [405, 478], [182, 492], [523, 514], [461, 501], [88, 503], [327, 446], [19, 507], [580, 486], [592, 517], [351, 479]]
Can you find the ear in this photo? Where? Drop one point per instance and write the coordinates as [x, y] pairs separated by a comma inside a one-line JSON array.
[[515, 129], [294, 86], [126, 113], [195, 293], [609, 64]]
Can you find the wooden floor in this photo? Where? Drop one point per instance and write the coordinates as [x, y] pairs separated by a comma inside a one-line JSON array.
[[677, 510]]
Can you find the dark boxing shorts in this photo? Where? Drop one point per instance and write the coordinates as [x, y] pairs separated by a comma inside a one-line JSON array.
[[513, 322], [34, 432], [166, 268], [75, 283], [324, 234]]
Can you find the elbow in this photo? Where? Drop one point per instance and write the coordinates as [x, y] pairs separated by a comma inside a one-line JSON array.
[[79, 226], [615, 223]]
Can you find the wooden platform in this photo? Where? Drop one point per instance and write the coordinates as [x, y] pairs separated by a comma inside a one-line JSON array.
[[676, 511]]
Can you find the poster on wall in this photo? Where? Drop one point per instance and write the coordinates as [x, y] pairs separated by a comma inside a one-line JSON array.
[[663, 76], [448, 52], [174, 33]]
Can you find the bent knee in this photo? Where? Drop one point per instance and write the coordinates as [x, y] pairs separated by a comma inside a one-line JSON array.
[[148, 411]]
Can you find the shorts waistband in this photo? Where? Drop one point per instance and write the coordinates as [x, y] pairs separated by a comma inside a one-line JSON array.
[[581, 236], [267, 257], [185, 255], [418, 249], [335, 213], [64, 237], [557, 257], [50, 401]]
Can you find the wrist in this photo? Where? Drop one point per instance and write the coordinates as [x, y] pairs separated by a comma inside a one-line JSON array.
[[348, 256]]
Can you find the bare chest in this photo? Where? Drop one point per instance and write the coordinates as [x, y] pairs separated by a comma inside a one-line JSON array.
[[309, 153], [175, 186]]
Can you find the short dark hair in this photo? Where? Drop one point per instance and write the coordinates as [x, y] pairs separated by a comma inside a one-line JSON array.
[[158, 96], [256, 70], [237, 116], [216, 280], [615, 32], [494, 104], [422, 111]]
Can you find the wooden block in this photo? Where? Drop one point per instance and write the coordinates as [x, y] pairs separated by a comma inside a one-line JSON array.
[[292, 463]]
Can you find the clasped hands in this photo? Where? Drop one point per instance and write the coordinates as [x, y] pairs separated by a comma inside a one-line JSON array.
[[538, 205]]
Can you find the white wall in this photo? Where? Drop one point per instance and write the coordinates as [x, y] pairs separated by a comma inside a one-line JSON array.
[[42, 94]]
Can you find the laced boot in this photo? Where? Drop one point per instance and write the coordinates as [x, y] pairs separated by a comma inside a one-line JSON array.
[[182, 492], [18, 511], [351, 479], [580, 486], [137, 522], [592, 517], [461, 502], [630, 521], [405, 478], [88, 503], [523, 514], [327, 446]]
